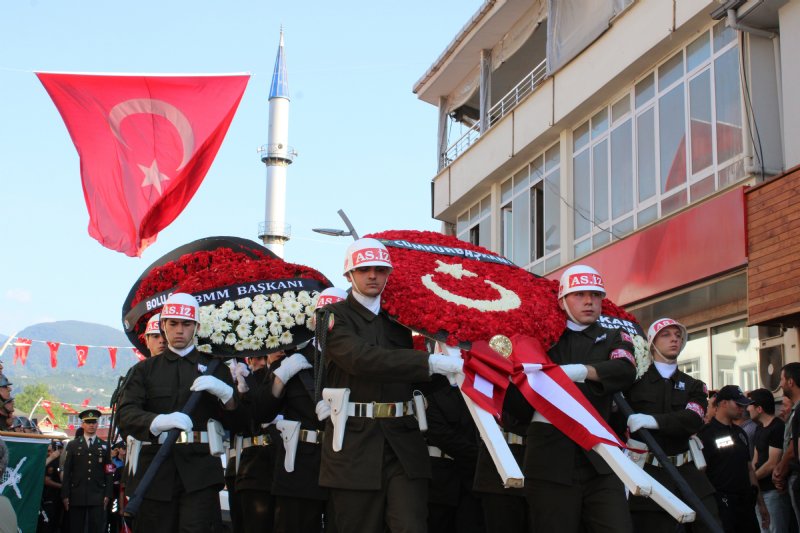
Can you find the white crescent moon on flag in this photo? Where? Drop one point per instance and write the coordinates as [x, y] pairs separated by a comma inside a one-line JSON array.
[[148, 106], [508, 300]]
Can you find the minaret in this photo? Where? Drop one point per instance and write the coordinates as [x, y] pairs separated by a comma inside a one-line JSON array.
[[277, 155]]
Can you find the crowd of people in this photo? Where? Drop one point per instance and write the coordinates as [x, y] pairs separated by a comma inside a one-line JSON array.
[[358, 431]]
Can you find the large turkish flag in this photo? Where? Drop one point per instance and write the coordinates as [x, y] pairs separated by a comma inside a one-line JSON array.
[[145, 144]]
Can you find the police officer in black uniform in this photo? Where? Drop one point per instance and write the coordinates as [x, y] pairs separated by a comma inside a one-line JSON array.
[[567, 488], [672, 405], [88, 477], [727, 453]]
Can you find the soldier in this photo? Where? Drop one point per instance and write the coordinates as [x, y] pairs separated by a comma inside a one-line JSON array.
[[87, 477], [6, 414], [184, 495], [153, 339], [673, 405], [566, 487], [374, 458], [256, 447]]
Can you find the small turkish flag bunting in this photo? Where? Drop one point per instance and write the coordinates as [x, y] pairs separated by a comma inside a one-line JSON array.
[[112, 353], [23, 346], [81, 351], [53, 352]]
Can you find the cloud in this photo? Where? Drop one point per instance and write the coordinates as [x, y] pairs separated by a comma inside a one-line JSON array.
[[19, 295]]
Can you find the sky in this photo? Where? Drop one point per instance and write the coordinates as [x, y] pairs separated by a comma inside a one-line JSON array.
[[366, 144]]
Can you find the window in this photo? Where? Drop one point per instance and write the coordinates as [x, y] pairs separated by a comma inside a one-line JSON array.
[[530, 214], [475, 224], [724, 354], [674, 138]]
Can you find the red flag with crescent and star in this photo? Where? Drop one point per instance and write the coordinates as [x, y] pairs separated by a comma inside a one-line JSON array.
[[81, 352], [145, 144], [53, 352]]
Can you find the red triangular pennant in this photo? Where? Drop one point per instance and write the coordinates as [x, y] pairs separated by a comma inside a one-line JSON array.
[[23, 346], [112, 353], [81, 351], [53, 352], [138, 354], [145, 145]]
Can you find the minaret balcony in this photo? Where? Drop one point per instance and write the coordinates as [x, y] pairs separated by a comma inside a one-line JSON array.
[[278, 153], [274, 229]]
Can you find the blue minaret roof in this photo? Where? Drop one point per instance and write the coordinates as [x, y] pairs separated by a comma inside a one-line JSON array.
[[279, 88]]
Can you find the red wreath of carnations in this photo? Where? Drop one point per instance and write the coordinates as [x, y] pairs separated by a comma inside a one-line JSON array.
[[205, 270], [413, 304]]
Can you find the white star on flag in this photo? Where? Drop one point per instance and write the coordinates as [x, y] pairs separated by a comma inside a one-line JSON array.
[[153, 176], [456, 270]]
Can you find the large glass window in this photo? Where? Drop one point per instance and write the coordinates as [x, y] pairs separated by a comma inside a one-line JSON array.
[[673, 139], [724, 354], [530, 213], [475, 224]]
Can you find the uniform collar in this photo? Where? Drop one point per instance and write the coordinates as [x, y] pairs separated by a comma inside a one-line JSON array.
[[593, 331], [365, 313], [172, 356]]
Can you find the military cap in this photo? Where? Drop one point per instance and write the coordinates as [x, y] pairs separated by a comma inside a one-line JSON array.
[[89, 415], [4, 381]]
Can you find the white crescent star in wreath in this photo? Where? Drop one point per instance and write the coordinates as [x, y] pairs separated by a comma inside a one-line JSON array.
[[508, 300]]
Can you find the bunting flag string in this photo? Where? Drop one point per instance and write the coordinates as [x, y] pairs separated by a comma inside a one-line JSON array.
[[23, 345]]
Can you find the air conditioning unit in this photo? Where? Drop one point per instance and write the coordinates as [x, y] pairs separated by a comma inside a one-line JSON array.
[[773, 353]]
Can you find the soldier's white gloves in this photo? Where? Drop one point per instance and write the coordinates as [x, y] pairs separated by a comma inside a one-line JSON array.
[[214, 386], [176, 420], [638, 421], [290, 366], [447, 365], [239, 371], [323, 410], [576, 373]]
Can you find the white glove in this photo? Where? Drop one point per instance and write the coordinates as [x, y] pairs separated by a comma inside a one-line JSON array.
[[446, 365], [638, 421], [214, 386], [176, 420], [239, 371], [576, 373], [323, 410], [290, 366]]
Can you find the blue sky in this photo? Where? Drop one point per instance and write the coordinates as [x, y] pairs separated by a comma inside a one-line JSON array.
[[366, 144]]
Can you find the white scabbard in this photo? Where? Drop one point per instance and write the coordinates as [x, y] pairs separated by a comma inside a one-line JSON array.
[[492, 435], [290, 433], [238, 445], [338, 400]]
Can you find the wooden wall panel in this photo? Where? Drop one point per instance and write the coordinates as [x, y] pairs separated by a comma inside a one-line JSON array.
[[773, 242]]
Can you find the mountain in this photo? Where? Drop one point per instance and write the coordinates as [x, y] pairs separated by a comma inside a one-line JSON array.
[[68, 383]]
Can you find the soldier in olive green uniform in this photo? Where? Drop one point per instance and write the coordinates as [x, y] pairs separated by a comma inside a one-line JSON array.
[[88, 477], [672, 405], [569, 489], [378, 468], [184, 495]]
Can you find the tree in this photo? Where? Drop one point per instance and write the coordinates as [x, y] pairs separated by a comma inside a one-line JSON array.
[[30, 396]]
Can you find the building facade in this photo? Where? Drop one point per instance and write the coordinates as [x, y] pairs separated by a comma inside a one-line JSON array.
[[653, 140]]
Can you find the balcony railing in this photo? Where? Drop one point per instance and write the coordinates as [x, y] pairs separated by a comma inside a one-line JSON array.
[[500, 109]]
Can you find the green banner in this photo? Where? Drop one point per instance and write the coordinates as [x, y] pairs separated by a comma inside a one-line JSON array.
[[23, 480]]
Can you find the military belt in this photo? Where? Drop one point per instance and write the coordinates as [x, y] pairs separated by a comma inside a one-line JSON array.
[[185, 437], [677, 460], [433, 451], [513, 438], [310, 436], [380, 410], [258, 440]]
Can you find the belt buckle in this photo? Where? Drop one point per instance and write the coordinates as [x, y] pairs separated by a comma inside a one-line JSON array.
[[182, 438], [384, 410]]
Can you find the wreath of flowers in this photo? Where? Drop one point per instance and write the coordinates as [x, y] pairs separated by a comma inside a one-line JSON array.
[[482, 299], [250, 324], [492, 298], [238, 319]]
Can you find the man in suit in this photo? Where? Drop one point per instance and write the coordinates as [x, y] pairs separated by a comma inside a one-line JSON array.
[[88, 477]]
